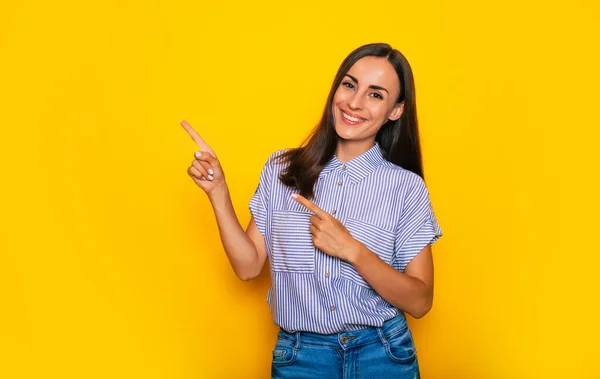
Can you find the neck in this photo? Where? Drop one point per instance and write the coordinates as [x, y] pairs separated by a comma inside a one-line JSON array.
[[348, 150]]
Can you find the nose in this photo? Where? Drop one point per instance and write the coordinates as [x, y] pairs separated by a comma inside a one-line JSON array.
[[355, 101]]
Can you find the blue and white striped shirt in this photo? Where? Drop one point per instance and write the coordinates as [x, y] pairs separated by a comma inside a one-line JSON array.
[[382, 205]]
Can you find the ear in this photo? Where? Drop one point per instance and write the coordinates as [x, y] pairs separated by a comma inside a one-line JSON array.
[[397, 111]]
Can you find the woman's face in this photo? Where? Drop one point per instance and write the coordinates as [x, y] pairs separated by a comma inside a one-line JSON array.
[[366, 99]]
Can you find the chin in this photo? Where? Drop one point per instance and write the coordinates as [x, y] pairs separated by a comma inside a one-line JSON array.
[[345, 134]]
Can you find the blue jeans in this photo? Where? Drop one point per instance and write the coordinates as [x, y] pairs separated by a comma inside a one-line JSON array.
[[386, 352]]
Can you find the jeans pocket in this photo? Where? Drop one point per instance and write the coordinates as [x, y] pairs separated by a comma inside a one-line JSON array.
[[376, 239], [293, 249], [284, 352], [400, 347]]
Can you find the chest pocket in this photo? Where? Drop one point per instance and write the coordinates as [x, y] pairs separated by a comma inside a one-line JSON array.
[[376, 239], [292, 247]]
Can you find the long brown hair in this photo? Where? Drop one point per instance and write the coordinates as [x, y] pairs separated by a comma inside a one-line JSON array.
[[398, 140]]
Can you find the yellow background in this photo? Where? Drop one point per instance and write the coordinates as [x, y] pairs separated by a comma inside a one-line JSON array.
[[110, 260]]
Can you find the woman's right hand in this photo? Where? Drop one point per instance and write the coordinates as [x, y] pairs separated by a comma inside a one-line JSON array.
[[205, 170]]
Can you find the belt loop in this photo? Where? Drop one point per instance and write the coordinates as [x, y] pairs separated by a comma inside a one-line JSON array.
[[297, 346], [382, 336]]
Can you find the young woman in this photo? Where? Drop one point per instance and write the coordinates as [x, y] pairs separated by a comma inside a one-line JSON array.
[[346, 223]]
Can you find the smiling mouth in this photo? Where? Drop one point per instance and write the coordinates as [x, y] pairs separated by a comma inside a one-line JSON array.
[[351, 119]]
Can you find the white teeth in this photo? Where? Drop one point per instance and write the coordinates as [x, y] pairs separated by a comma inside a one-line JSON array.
[[350, 118]]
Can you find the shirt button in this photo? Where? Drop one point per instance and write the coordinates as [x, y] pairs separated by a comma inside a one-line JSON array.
[[340, 183], [332, 308], [344, 166], [333, 212], [327, 275]]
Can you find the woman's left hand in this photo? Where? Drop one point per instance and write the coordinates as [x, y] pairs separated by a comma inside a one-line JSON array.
[[329, 234]]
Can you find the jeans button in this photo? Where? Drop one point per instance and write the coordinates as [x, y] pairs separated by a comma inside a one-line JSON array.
[[344, 339]]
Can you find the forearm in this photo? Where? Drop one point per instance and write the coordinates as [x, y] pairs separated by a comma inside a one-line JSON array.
[[403, 291], [239, 248]]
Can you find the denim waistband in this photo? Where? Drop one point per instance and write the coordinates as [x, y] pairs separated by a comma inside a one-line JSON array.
[[348, 339]]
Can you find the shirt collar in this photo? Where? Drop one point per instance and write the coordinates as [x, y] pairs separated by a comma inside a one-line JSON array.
[[359, 167]]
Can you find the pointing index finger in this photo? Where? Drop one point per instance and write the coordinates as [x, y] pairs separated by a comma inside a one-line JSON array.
[[310, 206], [196, 137]]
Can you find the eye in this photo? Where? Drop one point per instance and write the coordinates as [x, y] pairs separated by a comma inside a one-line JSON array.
[[377, 95], [348, 85]]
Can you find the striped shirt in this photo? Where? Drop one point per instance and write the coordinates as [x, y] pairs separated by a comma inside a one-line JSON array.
[[382, 205]]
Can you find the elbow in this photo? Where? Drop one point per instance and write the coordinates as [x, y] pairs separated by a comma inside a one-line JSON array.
[[422, 308], [246, 278], [247, 275]]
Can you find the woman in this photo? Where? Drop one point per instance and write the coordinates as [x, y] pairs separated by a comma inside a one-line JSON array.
[[347, 225]]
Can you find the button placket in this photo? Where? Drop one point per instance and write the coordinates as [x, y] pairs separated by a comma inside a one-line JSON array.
[[340, 192], [337, 186]]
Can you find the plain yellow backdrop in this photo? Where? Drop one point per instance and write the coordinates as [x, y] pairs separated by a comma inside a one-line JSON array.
[[110, 260]]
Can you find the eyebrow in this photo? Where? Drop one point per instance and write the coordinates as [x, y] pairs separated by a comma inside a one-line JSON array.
[[371, 86]]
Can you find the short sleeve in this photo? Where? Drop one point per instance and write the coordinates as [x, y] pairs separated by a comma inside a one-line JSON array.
[[259, 203], [417, 227]]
